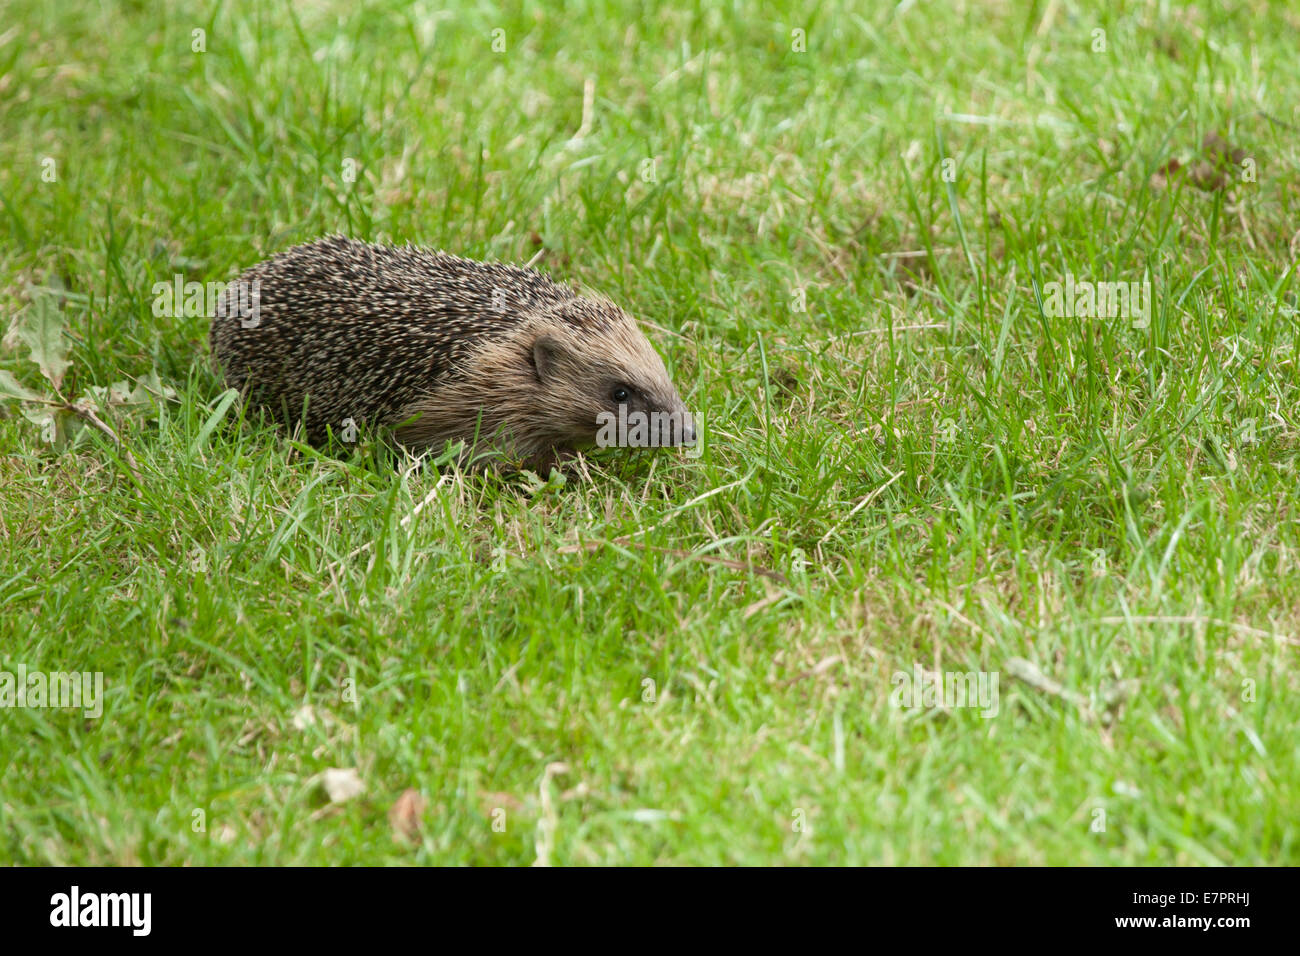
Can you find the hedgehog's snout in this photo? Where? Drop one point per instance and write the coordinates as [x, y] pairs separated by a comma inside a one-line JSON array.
[[686, 430], [676, 424]]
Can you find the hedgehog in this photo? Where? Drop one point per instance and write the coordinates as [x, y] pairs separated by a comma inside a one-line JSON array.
[[433, 348]]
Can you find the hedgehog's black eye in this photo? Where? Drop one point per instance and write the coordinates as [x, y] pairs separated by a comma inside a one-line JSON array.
[[621, 395]]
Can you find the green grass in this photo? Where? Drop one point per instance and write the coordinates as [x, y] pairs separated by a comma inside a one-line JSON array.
[[921, 468]]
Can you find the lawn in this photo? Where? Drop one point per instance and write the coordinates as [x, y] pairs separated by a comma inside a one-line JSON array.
[[856, 233]]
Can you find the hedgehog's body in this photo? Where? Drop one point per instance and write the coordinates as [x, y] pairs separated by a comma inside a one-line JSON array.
[[436, 347]]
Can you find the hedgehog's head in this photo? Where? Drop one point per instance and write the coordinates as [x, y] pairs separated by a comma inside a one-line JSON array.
[[576, 374], [601, 382]]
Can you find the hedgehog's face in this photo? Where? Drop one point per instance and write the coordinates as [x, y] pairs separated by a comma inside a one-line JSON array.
[[604, 384]]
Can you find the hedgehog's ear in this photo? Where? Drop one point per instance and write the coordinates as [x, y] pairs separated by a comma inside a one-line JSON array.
[[546, 355]]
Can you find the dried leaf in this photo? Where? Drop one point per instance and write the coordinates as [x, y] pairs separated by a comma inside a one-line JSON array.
[[1213, 145], [342, 784], [149, 387], [1205, 176], [650, 815], [10, 387], [1220, 152], [57, 425], [39, 326], [145, 392], [407, 815], [304, 717], [1214, 169]]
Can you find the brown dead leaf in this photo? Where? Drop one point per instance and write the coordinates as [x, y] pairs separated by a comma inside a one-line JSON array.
[[406, 816], [1220, 152], [1206, 176], [1171, 167], [1214, 168]]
